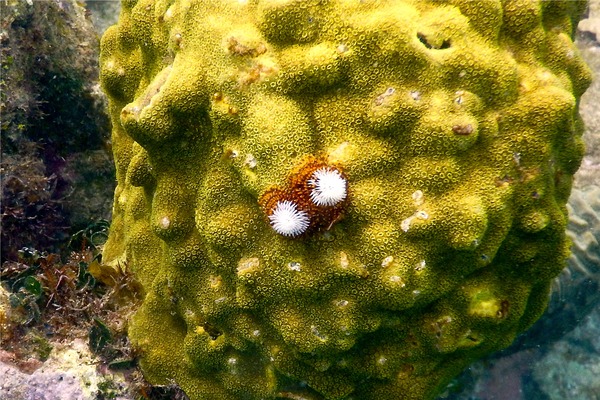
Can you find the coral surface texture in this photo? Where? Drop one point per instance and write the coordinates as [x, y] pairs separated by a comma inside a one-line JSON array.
[[339, 199]]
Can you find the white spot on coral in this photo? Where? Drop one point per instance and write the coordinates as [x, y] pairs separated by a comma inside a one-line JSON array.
[[405, 224], [250, 161], [517, 158], [416, 95], [287, 220], [422, 215], [417, 197], [165, 222], [342, 48], [459, 97], [329, 187], [381, 360], [341, 303], [344, 263], [421, 266], [246, 264], [294, 266], [381, 98], [316, 332], [387, 261], [398, 280], [169, 13]]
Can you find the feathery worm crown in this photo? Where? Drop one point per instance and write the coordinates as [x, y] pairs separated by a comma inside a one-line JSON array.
[[287, 220], [329, 187]]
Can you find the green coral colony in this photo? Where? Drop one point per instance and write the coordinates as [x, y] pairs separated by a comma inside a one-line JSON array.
[[339, 199]]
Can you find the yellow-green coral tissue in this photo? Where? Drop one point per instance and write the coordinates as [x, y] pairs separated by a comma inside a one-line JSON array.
[[339, 199]]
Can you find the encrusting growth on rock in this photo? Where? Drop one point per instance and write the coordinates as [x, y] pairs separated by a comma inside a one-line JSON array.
[[338, 199]]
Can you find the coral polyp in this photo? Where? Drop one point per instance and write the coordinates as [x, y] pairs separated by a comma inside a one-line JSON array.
[[287, 220]]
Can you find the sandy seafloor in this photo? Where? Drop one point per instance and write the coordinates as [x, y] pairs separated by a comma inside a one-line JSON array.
[[558, 359]]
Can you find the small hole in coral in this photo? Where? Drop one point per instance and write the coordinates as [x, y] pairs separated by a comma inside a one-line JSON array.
[[445, 44], [423, 39]]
